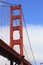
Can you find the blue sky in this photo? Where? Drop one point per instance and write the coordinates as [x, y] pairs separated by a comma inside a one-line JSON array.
[[33, 14], [32, 10]]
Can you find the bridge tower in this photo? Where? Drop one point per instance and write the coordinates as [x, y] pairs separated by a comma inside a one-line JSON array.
[[13, 28], [16, 28]]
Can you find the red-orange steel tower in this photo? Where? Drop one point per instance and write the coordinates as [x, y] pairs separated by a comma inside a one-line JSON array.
[[16, 28]]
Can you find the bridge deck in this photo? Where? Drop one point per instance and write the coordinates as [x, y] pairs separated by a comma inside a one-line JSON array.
[[10, 54]]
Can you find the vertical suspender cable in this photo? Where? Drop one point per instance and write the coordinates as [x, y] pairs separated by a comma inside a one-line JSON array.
[[1, 26], [26, 54]]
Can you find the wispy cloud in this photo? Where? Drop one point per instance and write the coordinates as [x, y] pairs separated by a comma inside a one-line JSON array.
[[36, 39]]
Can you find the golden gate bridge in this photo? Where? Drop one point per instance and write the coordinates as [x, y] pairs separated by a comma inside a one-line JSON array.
[[7, 51]]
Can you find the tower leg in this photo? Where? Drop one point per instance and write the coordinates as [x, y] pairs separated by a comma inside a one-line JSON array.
[[11, 62]]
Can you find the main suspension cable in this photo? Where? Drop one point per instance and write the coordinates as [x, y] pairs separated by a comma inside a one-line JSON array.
[[7, 3], [28, 38]]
